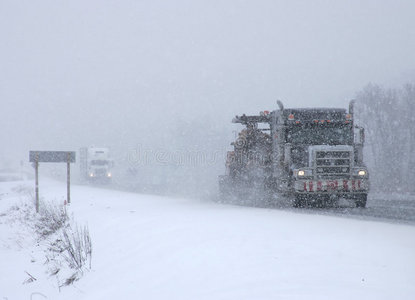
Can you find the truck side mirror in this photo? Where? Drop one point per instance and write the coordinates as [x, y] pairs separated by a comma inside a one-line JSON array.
[[360, 136]]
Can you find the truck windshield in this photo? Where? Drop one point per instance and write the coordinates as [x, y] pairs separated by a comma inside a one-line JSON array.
[[99, 162], [320, 134]]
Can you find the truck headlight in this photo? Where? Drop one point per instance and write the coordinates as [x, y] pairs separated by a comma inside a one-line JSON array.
[[303, 173], [361, 173]]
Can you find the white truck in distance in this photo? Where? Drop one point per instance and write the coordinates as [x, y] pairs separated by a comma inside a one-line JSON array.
[[95, 164]]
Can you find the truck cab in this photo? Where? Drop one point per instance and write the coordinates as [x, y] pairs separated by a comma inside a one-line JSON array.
[[322, 155], [95, 164]]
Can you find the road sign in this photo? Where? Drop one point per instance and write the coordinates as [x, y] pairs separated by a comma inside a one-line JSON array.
[[52, 156]]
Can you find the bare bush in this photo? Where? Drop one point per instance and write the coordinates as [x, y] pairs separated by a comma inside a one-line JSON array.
[[67, 247], [74, 248], [78, 247], [70, 245], [52, 217]]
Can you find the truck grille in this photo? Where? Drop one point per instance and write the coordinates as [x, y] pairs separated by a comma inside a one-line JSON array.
[[100, 172], [332, 164]]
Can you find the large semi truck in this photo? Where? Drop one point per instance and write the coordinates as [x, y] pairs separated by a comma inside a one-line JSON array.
[[95, 164], [312, 155]]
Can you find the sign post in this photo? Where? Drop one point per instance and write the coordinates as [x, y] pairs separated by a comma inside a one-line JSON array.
[[52, 156], [68, 177], [37, 181]]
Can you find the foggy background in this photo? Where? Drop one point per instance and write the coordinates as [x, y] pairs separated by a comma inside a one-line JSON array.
[[163, 79]]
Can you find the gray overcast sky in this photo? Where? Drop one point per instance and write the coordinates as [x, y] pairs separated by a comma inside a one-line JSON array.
[[75, 73]]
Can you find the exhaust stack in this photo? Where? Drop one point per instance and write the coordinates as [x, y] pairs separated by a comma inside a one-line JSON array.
[[351, 106], [280, 105]]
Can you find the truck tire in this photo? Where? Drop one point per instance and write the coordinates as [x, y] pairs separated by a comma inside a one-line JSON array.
[[361, 200]]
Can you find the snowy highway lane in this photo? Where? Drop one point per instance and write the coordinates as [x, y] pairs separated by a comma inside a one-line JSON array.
[[392, 208], [150, 247], [384, 208]]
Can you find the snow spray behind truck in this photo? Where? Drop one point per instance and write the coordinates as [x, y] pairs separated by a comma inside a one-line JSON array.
[[95, 164], [312, 155]]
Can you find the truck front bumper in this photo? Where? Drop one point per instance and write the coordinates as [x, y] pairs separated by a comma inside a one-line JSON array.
[[332, 186]]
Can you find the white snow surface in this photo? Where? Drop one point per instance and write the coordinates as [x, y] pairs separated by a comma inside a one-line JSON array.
[[151, 247]]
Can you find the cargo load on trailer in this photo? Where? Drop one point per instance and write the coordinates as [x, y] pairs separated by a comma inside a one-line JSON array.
[[313, 155]]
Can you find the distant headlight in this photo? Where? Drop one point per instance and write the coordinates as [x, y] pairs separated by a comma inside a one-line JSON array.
[[91, 174], [301, 173], [109, 174], [361, 173]]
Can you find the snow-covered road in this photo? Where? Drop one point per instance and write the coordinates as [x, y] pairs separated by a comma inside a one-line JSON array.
[[150, 247], [395, 208]]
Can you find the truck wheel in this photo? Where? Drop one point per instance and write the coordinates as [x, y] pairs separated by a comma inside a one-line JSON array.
[[361, 200]]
